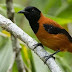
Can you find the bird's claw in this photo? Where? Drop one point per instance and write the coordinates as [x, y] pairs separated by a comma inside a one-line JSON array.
[[52, 55], [47, 57], [38, 44]]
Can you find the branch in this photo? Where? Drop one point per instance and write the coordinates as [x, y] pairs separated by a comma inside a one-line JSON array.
[[10, 9], [10, 14], [15, 42], [17, 32], [70, 28]]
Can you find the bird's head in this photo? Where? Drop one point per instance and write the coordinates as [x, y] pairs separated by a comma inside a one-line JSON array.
[[31, 13]]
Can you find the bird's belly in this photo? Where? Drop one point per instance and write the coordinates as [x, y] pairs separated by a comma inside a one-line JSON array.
[[54, 42]]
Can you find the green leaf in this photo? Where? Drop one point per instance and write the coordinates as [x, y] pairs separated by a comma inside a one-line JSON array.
[[51, 6], [66, 13], [5, 55], [61, 8], [16, 7], [14, 69], [63, 63], [2, 11]]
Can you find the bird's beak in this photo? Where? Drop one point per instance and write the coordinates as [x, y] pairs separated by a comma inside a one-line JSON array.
[[22, 11]]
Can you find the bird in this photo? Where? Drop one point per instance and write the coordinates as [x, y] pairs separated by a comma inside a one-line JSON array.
[[49, 33]]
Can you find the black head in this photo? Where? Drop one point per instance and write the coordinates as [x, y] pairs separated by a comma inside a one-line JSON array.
[[31, 13]]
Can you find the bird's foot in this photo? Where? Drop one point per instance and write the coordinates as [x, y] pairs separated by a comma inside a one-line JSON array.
[[51, 56], [38, 44], [47, 57]]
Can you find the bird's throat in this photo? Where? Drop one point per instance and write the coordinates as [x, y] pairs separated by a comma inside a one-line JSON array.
[[34, 26]]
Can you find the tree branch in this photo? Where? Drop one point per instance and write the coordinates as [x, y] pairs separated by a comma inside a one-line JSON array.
[[15, 43], [70, 28], [17, 32]]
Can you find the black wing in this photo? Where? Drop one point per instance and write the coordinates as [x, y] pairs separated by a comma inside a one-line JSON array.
[[55, 30]]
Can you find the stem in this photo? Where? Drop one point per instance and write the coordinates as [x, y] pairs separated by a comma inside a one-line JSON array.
[[15, 43]]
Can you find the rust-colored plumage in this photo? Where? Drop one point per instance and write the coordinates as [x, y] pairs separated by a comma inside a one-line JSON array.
[[48, 31], [55, 42]]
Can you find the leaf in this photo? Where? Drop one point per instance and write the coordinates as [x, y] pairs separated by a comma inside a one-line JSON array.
[[5, 55], [16, 7], [61, 8], [67, 13], [14, 69], [51, 6], [7, 33], [64, 64], [25, 57], [2, 11]]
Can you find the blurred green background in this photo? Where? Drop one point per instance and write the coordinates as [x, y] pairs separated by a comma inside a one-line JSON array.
[[58, 10]]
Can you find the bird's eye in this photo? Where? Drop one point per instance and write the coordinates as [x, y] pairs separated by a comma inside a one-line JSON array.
[[32, 9]]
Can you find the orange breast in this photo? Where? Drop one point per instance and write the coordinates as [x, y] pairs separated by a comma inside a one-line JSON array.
[[53, 41]]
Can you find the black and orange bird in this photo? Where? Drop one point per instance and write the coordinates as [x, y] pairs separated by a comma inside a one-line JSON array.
[[49, 33]]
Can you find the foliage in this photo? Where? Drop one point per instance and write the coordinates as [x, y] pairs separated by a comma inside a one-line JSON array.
[[58, 10]]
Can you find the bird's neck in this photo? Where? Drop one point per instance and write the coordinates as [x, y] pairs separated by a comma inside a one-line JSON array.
[[34, 26], [42, 18], [35, 23]]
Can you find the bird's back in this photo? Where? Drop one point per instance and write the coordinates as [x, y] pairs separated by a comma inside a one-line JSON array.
[[52, 40]]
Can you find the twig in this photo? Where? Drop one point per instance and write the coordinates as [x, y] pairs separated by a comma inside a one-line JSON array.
[[17, 32], [70, 28], [15, 43]]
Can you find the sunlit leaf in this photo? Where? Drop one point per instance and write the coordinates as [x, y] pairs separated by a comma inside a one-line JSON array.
[[25, 56], [24, 48], [7, 33]]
